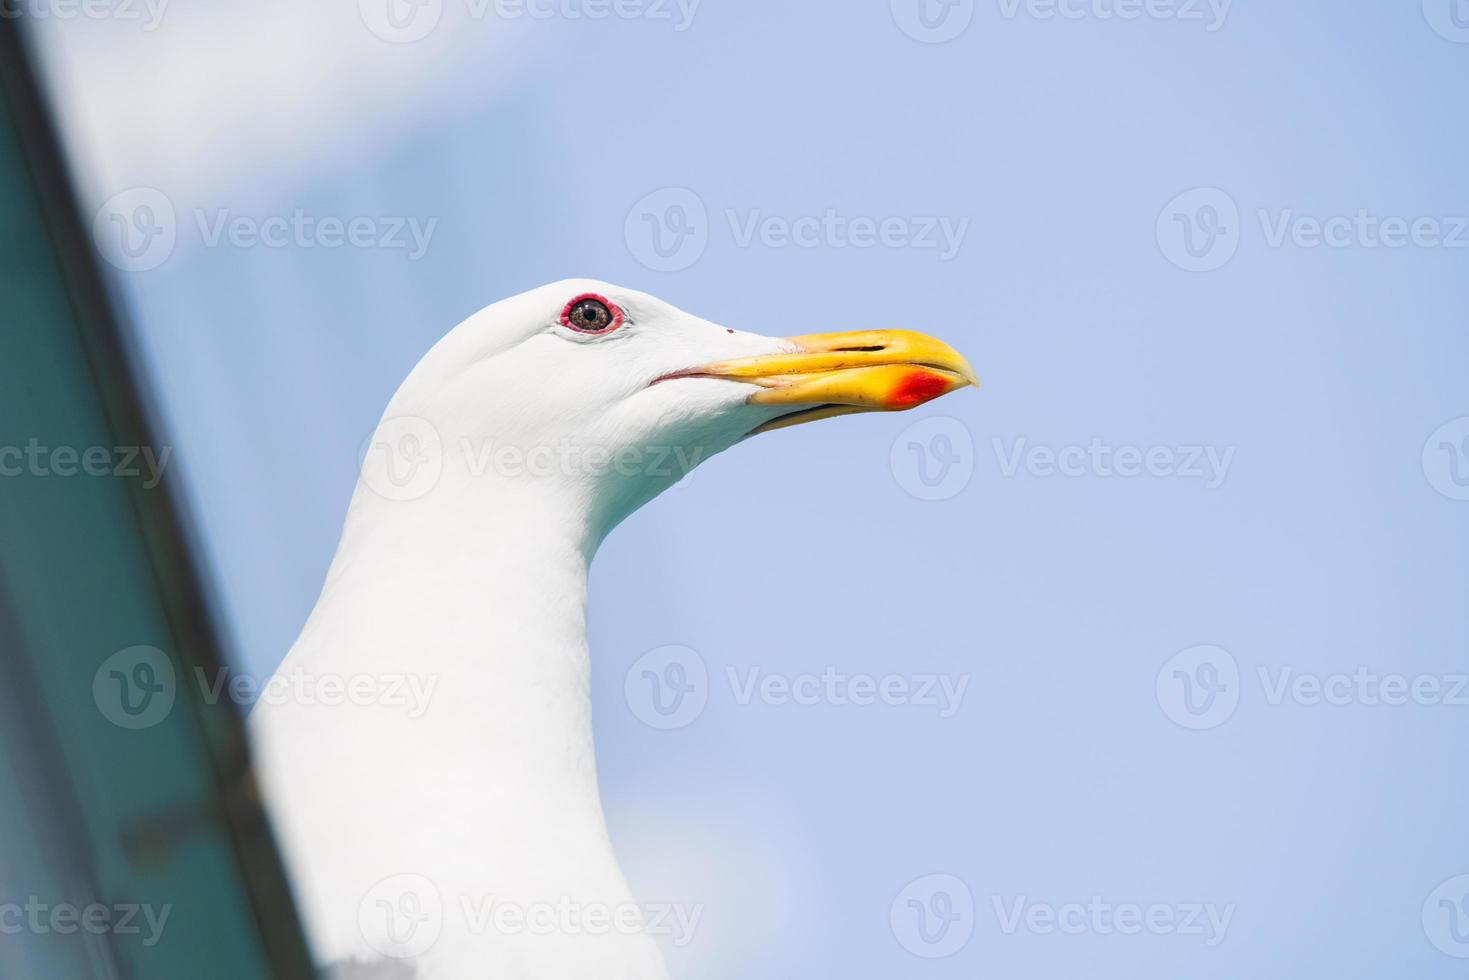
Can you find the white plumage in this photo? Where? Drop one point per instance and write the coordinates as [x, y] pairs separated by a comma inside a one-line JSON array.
[[414, 837]]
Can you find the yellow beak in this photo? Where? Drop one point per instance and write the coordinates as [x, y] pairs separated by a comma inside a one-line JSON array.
[[843, 373]]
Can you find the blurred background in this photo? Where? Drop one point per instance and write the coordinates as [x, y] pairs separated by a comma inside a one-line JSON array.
[[1190, 567]]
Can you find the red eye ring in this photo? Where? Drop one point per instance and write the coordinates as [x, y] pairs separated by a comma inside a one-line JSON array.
[[613, 312]]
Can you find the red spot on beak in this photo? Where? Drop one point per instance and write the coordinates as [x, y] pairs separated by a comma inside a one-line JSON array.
[[918, 387]]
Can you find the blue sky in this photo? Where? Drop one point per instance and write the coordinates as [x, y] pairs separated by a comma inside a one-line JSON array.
[[1122, 222]]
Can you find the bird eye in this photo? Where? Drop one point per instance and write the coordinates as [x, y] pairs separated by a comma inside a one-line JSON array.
[[591, 314]]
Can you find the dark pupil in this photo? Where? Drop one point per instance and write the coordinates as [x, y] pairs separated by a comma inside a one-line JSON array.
[[592, 314]]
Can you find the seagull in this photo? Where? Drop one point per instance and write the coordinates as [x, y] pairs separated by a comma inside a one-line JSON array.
[[430, 771]]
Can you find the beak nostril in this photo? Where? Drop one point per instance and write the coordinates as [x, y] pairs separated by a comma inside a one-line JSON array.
[[860, 350]]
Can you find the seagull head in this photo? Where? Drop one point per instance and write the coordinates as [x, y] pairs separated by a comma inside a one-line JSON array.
[[611, 395]]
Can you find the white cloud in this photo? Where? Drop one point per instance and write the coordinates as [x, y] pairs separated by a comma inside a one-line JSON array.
[[218, 94], [743, 882]]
